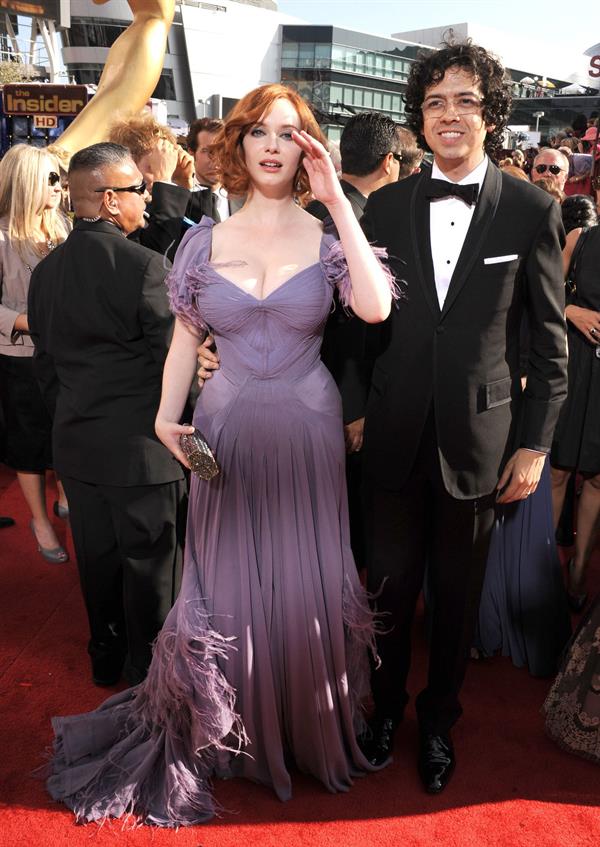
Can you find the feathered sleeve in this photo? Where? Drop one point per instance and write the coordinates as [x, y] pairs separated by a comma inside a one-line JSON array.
[[189, 273], [335, 269]]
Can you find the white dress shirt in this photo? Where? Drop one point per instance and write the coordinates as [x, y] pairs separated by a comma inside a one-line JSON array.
[[449, 221], [222, 203]]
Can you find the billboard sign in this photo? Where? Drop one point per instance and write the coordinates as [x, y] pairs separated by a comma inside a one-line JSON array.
[[41, 99]]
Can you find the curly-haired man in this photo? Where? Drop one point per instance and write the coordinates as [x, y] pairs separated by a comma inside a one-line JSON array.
[[448, 429]]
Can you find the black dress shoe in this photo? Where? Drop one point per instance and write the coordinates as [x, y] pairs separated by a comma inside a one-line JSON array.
[[107, 670], [436, 762], [107, 663], [377, 742], [5, 522]]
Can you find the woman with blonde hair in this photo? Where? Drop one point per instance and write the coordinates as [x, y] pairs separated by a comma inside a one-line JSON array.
[[31, 225], [263, 660]]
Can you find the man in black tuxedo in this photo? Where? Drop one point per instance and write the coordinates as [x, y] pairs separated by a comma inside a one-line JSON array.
[[100, 320], [448, 428]]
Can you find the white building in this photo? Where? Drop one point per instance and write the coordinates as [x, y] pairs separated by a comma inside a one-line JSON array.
[[232, 47]]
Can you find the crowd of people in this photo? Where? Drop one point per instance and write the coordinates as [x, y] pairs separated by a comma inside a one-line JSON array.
[[377, 357]]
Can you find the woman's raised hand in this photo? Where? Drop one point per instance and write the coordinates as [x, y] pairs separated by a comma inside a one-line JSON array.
[[324, 182]]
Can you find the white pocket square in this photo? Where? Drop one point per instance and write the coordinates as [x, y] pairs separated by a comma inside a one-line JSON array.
[[495, 260]]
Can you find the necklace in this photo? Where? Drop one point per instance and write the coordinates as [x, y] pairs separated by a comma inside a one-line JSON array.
[[50, 245]]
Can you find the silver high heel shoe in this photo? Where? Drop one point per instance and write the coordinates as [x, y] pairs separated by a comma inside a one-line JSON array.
[[54, 555]]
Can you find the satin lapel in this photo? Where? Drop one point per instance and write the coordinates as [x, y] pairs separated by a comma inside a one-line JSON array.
[[421, 243], [480, 224]]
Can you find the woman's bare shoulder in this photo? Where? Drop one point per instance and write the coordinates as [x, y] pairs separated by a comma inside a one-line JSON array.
[[312, 224]]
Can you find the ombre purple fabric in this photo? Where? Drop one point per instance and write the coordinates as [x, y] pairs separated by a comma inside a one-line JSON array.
[[264, 658]]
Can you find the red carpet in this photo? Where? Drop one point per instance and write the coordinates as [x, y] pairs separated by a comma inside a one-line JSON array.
[[512, 785]]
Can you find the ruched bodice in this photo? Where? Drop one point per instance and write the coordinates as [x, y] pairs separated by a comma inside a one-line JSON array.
[[277, 336], [269, 348]]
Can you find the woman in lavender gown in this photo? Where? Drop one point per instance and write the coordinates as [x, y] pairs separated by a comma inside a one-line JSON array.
[[263, 660]]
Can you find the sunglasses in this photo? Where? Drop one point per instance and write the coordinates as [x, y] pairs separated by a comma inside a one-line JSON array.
[[397, 157], [554, 169], [53, 178], [135, 189]]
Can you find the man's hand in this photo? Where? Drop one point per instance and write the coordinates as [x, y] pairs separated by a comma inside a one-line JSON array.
[[158, 165], [207, 359], [521, 476], [353, 435], [183, 174], [587, 322]]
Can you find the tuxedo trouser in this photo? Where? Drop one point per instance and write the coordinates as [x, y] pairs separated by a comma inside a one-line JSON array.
[[128, 542], [416, 527]]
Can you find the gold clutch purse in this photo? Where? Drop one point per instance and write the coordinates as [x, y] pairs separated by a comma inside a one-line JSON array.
[[198, 453]]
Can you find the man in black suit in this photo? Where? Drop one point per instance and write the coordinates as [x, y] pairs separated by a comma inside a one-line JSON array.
[[100, 320], [448, 429], [375, 151], [208, 195]]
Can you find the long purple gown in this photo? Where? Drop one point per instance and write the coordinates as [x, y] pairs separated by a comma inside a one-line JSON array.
[[264, 658]]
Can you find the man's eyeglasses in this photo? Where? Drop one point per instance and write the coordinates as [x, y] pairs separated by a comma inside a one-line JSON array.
[[435, 107], [554, 169], [135, 189], [53, 179]]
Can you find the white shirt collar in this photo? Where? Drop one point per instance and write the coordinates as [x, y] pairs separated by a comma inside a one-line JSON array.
[[477, 175]]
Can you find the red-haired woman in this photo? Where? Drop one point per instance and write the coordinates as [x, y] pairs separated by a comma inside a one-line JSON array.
[[265, 651]]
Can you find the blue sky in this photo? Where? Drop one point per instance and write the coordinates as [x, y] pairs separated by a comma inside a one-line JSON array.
[[550, 21]]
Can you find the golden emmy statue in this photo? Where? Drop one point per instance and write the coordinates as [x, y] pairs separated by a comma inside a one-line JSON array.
[[130, 75]]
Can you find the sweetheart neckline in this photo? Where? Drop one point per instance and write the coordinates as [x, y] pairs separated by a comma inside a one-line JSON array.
[[275, 290]]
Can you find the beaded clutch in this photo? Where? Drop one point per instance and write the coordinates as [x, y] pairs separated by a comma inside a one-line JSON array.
[[199, 455]]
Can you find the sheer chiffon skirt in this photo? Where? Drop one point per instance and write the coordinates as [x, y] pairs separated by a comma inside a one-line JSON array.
[[263, 660]]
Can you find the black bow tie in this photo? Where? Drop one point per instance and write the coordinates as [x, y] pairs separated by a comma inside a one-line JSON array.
[[439, 188]]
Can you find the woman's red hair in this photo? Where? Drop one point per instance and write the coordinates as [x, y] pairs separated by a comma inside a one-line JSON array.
[[247, 112]]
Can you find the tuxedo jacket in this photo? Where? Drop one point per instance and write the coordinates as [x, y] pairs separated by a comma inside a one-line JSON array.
[[100, 321], [344, 341], [463, 361], [357, 200]]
